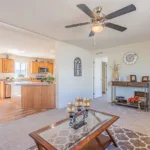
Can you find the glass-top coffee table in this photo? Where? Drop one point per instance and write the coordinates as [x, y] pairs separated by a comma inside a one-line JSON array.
[[60, 136]]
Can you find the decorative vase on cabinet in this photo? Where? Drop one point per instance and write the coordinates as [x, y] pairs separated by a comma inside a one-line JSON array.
[[116, 75], [115, 69]]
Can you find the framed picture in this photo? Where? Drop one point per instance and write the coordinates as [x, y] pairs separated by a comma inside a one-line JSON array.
[[145, 78], [132, 78]]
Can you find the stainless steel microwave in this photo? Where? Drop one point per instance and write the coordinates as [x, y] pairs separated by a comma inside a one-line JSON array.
[[43, 70]]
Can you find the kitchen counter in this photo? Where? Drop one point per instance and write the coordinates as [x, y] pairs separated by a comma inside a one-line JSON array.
[[38, 95], [29, 83], [34, 95]]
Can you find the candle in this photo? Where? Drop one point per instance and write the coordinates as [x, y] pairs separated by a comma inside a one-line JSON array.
[[71, 108], [79, 101], [86, 102]]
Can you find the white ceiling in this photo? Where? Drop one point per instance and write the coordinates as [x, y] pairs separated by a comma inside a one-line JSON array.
[[25, 44], [49, 17]]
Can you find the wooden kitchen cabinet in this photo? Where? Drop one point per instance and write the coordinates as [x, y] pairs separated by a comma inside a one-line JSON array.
[[40, 64], [50, 68], [43, 64], [7, 65], [38, 96], [4, 65], [11, 66], [2, 89], [34, 66], [1, 65]]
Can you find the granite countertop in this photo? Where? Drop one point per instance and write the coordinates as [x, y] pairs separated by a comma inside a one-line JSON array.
[[28, 83]]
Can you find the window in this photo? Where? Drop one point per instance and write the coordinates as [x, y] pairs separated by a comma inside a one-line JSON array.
[[21, 68]]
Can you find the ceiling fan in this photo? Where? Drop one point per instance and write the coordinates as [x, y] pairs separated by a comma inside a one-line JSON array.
[[98, 20]]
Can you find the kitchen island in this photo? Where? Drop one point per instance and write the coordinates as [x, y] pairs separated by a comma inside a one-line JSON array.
[[36, 95]]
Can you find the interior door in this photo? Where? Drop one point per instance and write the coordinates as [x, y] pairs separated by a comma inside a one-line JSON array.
[[97, 78]]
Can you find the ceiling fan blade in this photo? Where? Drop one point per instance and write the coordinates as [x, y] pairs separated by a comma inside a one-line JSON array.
[[116, 27], [76, 25], [86, 10], [122, 11], [91, 33]]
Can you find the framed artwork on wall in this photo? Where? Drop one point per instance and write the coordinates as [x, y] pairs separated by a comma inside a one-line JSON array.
[[133, 78], [145, 78], [77, 67]]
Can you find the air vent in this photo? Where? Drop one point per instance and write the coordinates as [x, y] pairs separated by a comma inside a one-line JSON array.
[[99, 53]]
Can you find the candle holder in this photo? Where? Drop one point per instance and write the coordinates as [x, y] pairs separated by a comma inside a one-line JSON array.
[[86, 104], [71, 109], [80, 108]]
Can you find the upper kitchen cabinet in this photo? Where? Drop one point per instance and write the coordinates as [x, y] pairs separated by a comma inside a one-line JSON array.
[[43, 64], [34, 67], [0, 64], [7, 65], [50, 68]]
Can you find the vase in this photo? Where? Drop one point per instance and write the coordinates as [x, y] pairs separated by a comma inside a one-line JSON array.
[[116, 75]]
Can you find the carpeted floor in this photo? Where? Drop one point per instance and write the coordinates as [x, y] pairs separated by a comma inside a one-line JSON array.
[[126, 140], [15, 135]]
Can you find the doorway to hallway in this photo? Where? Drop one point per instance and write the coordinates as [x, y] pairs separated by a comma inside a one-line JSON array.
[[99, 77]]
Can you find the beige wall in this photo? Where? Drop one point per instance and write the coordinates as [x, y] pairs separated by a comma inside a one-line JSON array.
[[69, 86], [140, 68], [21, 59]]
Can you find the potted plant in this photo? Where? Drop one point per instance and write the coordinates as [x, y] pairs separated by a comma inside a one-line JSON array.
[[49, 78], [8, 78]]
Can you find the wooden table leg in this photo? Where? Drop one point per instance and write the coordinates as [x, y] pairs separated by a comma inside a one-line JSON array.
[[40, 147], [113, 140], [99, 142]]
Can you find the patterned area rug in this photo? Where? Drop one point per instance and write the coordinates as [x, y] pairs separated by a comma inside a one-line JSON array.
[[126, 140]]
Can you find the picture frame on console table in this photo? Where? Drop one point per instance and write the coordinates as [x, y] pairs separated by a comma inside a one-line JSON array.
[[133, 78], [145, 78]]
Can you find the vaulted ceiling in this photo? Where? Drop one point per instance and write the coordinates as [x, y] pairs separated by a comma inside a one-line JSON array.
[[48, 18]]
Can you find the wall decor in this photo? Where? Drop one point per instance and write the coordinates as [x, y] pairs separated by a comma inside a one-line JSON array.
[[115, 69], [145, 78], [130, 58], [77, 67], [133, 78]]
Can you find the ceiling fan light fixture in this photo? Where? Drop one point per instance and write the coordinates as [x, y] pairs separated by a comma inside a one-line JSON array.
[[97, 28]]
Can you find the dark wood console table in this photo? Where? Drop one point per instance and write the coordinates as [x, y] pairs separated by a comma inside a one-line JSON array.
[[144, 85]]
